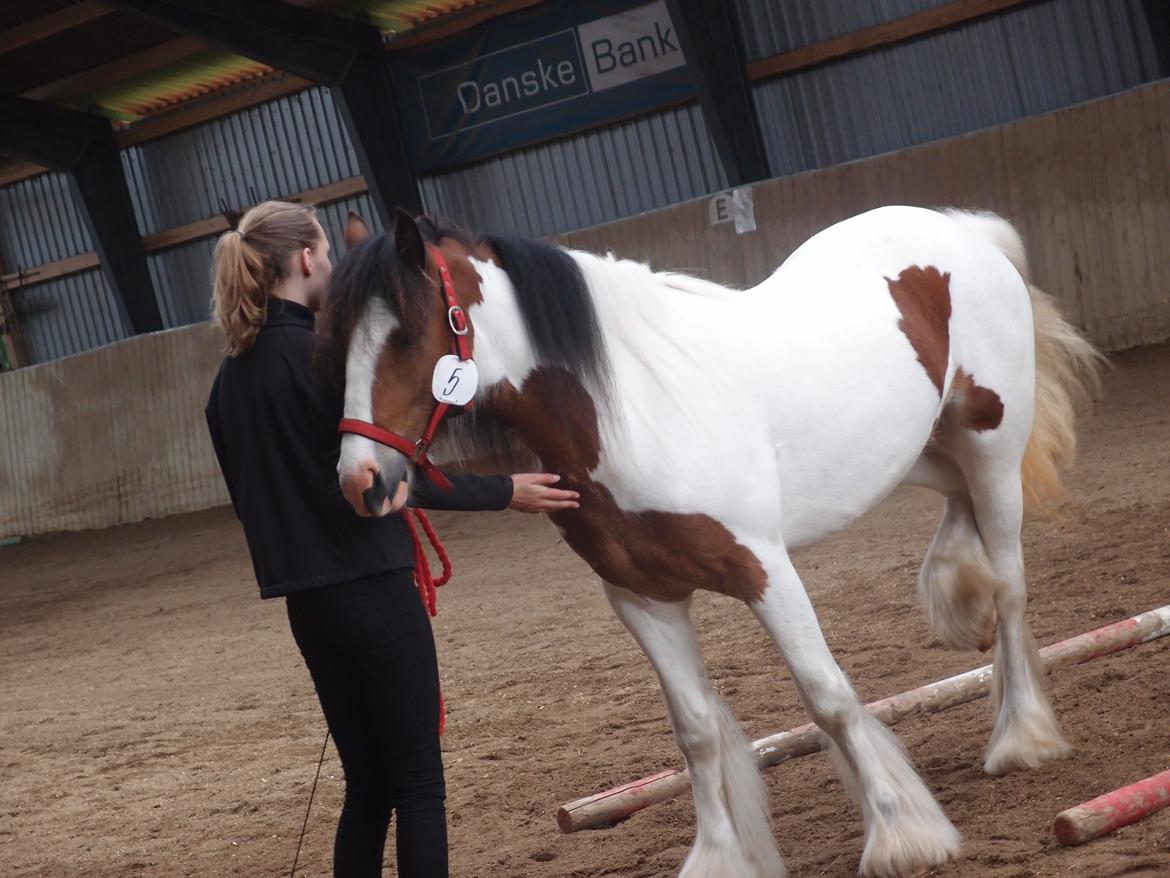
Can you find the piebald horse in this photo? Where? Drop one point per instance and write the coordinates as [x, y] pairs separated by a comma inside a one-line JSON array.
[[710, 432]]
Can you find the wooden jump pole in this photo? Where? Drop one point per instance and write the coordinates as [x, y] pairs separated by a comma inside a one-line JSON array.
[[613, 805], [1113, 810]]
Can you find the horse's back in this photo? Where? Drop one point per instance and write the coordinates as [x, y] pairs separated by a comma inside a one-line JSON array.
[[873, 318]]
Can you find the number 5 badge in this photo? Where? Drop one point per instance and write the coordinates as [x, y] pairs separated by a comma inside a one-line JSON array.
[[455, 381]]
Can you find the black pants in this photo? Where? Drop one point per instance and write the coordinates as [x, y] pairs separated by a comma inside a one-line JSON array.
[[370, 651]]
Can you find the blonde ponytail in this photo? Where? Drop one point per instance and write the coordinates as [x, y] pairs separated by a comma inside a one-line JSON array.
[[251, 261], [238, 298]]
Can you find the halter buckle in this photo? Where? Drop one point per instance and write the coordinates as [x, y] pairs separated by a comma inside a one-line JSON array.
[[457, 320]]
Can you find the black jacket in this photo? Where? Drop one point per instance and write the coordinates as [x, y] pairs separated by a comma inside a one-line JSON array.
[[274, 429]]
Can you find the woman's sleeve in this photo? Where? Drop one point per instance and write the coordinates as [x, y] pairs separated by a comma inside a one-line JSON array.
[[469, 493], [215, 429]]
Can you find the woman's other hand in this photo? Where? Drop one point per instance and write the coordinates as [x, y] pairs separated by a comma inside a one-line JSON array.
[[533, 492]]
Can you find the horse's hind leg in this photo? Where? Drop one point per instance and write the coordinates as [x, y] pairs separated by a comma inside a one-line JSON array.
[[956, 584], [904, 827], [1026, 732], [734, 833]]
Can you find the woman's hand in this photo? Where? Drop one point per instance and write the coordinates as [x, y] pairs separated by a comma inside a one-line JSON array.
[[531, 493]]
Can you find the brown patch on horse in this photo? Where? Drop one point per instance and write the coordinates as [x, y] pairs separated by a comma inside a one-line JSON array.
[[401, 399], [923, 296], [661, 555], [978, 408]]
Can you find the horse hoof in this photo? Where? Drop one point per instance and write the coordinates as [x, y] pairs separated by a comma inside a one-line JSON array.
[[1025, 741]]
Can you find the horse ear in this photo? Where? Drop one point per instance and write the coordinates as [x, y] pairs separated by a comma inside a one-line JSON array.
[[356, 230], [408, 240]]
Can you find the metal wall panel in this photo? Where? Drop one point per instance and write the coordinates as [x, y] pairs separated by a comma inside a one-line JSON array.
[[591, 178], [1040, 57], [39, 223], [1027, 61], [769, 27], [67, 316], [270, 151], [334, 216], [1105, 258], [184, 272]]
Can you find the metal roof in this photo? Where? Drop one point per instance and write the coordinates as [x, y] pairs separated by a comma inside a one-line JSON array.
[[124, 67]]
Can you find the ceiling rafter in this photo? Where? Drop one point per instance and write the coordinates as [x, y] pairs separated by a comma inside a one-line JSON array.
[[50, 25], [118, 70]]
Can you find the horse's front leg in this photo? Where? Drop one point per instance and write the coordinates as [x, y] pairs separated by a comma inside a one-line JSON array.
[[734, 837], [905, 829]]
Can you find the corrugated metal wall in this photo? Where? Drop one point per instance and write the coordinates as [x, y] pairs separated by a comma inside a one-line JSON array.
[[270, 151], [39, 223], [592, 178], [183, 274], [273, 150], [768, 27], [1030, 60], [1088, 186], [1039, 57]]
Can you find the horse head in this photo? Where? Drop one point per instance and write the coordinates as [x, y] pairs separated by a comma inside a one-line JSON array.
[[399, 304]]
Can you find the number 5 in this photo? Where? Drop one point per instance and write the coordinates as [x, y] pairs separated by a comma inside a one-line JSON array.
[[453, 381]]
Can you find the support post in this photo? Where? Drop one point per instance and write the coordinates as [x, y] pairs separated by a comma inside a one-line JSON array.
[[370, 109], [10, 334], [1158, 19], [710, 42], [84, 146]]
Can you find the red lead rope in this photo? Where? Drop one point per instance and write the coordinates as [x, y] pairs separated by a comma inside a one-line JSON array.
[[424, 579]]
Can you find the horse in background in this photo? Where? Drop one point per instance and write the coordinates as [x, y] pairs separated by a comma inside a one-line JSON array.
[[711, 432]]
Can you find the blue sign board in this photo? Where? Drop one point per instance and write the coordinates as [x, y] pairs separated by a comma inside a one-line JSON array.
[[535, 75]]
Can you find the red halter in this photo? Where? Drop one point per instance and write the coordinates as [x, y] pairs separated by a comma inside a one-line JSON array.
[[416, 451]]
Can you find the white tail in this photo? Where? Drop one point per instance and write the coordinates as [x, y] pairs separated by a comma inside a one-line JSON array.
[[1067, 372]]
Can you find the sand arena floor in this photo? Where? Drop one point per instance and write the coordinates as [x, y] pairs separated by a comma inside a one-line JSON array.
[[156, 718]]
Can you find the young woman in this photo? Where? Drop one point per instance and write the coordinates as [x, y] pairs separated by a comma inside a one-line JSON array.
[[352, 605]]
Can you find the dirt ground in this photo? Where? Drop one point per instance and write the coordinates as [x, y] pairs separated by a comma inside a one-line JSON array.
[[156, 720]]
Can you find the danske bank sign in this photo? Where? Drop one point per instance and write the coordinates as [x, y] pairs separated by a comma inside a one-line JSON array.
[[568, 78]]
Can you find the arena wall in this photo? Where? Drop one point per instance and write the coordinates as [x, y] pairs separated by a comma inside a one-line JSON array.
[[116, 434]]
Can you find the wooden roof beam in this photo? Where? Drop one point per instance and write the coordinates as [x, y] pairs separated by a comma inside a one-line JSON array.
[[16, 171], [118, 70], [305, 42], [50, 25], [348, 56]]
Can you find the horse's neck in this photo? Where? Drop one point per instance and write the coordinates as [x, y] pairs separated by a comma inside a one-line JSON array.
[[557, 414], [656, 329]]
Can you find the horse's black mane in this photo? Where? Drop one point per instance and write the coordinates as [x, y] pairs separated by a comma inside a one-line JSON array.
[[556, 305], [551, 293]]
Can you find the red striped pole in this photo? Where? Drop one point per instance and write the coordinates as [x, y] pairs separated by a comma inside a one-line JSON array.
[[1113, 810], [610, 806]]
